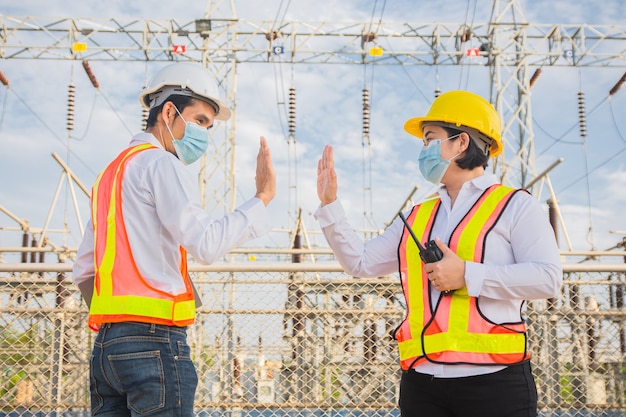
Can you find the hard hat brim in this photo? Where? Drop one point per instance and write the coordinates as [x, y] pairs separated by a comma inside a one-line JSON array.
[[223, 113]]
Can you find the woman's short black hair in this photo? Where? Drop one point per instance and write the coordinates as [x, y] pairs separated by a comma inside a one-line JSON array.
[[474, 157], [179, 101]]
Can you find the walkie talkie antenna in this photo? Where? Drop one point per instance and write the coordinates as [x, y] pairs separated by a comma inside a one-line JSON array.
[[406, 224], [428, 254]]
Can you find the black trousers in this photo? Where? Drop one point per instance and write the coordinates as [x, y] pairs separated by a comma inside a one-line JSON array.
[[510, 392]]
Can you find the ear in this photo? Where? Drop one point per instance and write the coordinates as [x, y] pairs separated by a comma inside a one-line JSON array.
[[464, 141], [168, 112]]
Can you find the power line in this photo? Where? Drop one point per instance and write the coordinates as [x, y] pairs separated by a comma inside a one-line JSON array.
[[431, 44]]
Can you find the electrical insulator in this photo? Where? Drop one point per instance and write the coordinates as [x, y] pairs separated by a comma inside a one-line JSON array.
[[90, 74], [615, 87], [368, 37], [292, 111], [534, 78], [144, 118], [581, 114], [4, 79], [466, 35], [437, 92], [70, 107], [272, 36], [366, 112]]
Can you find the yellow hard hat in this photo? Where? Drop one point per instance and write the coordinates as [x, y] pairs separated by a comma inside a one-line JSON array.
[[462, 109]]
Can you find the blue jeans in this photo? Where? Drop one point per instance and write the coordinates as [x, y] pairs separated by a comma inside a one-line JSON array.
[[142, 369]]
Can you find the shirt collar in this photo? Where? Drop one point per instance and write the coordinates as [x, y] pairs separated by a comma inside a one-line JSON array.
[[145, 137], [478, 184], [483, 182]]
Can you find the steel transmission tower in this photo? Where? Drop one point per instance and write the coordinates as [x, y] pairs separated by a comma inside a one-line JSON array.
[[511, 91], [508, 45]]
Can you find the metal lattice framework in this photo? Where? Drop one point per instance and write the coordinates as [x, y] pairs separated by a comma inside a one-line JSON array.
[[301, 338], [276, 339], [507, 44]]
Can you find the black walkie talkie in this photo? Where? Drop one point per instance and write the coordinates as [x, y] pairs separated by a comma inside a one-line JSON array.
[[430, 253]]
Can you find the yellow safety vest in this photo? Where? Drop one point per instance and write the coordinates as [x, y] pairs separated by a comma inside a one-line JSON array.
[[456, 332], [121, 293]]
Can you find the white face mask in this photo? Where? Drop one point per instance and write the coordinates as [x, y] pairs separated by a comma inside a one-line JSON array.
[[193, 144], [432, 166]]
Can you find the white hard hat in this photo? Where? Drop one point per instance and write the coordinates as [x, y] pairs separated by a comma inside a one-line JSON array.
[[183, 79]]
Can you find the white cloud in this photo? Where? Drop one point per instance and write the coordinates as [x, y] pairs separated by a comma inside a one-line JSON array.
[[615, 187], [329, 111]]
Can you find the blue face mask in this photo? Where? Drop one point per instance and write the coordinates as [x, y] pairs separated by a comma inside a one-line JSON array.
[[432, 166], [193, 144]]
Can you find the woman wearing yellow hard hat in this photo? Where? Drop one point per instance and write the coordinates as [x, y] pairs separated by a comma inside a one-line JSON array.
[[484, 248]]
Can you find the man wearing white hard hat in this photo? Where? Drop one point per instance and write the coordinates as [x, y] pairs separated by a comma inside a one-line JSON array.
[[131, 266]]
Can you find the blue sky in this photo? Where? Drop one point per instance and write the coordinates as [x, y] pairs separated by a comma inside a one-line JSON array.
[[33, 119]]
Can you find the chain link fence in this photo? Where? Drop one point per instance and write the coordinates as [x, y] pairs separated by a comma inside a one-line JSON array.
[[301, 340]]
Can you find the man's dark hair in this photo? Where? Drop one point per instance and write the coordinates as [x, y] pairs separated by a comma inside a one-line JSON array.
[[474, 157], [179, 101]]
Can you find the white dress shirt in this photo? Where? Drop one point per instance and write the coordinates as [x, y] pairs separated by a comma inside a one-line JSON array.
[[521, 258], [162, 211]]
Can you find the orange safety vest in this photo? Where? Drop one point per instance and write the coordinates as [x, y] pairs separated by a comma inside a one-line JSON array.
[[121, 293], [456, 332]]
